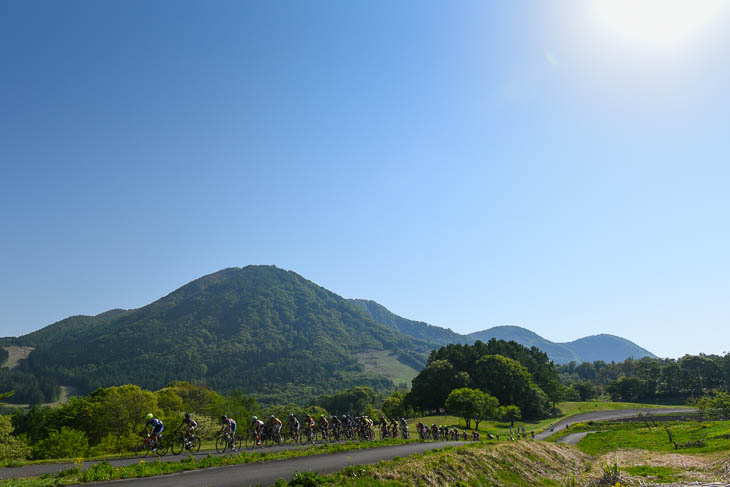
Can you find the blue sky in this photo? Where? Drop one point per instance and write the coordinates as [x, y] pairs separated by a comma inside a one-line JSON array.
[[468, 164]]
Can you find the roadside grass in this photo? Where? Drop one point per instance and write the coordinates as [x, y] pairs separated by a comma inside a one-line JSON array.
[[104, 471], [655, 474], [513, 464], [690, 436], [568, 408]]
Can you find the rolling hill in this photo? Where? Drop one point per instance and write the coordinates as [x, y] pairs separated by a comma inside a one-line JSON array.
[[588, 349], [259, 329], [265, 330]]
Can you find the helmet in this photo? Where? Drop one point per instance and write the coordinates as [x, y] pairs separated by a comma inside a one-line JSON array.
[[321, 415], [149, 416], [272, 416], [344, 416], [291, 415], [187, 415], [255, 418], [224, 417]]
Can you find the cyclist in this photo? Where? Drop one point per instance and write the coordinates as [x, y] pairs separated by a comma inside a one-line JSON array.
[[394, 427], [257, 426], [434, 431], [336, 424], [273, 425], [293, 425], [403, 424], [383, 424], [157, 427], [190, 426], [323, 423], [228, 425]]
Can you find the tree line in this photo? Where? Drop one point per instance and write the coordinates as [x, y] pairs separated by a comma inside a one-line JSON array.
[[647, 379]]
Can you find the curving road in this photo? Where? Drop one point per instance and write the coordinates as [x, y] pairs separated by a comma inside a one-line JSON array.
[[315, 462], [607, 415], [574, 438], [267, 473]]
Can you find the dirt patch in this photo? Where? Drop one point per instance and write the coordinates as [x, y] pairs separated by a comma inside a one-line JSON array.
[[694, 467], [16, 354]]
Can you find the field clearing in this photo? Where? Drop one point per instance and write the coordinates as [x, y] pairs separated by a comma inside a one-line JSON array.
[[568, 408], [16, 354], [385, 362], [690, 436]]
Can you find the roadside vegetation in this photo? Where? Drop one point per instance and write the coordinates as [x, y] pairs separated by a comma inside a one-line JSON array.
[[104, 471]]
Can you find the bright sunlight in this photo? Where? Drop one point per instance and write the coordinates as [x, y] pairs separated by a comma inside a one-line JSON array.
[[663, 23]]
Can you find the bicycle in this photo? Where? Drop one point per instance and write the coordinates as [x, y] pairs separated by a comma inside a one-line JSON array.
[[307, 436], [225, 441], [291, 436], [147, 445], [321, 434], [191, 443], [253, 439]]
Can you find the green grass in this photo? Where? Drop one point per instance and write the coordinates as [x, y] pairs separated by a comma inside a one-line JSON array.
[[692, 437], [656, 474], [567, 409], [385, 362], [103, 471]]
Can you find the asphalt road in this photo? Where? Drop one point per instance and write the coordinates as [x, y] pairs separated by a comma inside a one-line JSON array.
[[605, 416], [269, 472], [574, 438], [49, 468]]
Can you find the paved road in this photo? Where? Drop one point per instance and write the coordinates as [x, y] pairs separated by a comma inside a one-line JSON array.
[[574, 438], [48, 468], [605, 416], [269, 472]]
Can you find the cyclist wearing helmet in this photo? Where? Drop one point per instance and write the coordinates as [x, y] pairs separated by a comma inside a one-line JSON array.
[[309, 421], [189, 424], [156, 430], [273, 425], [228, 425], [257, 426], [323, 423], [293, 424]]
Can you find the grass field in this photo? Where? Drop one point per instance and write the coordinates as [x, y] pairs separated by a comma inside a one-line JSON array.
[[690, 436], [567, 409], [16, 354], [385, 362]]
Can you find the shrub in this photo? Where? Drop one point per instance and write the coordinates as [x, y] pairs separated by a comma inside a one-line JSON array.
[[12, 448], [66, 443]]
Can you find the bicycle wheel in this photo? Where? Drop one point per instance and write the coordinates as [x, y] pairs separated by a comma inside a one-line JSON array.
[[142, 448], [162, 446], [251, 441], [237, 443], [194, 445], [221, 443], [178, 444], [276, 439]]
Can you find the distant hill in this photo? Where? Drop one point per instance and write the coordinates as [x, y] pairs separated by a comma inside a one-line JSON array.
[[599, 347], [259, 328], [262, 330], [416, 329]]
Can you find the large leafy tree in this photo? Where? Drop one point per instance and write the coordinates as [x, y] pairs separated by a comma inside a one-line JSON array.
[[504, 378], [433, 385], [472, 404]]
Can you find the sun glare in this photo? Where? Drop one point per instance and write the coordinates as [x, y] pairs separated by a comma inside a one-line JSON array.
[[658, 22]]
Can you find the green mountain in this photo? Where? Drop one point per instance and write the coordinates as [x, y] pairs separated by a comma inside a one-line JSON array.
[[258, 328], [599, 347], [417, 329]]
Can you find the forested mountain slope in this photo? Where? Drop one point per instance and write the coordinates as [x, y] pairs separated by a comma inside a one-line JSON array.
[[258, 328]]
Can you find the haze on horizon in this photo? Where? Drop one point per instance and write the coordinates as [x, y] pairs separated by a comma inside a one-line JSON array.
[[560, 166]]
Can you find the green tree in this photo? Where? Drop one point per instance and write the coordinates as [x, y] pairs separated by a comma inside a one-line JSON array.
[[510, 413], [432, 385], [393, 405], [502, 377], [11, 447], [119, 411], [715, 406], [67, 443]]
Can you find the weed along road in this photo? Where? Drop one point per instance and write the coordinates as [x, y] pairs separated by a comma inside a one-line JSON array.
[[266, 473], [608, 415]]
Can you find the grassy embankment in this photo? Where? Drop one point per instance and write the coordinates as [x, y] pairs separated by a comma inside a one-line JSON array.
[[505, 464]]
